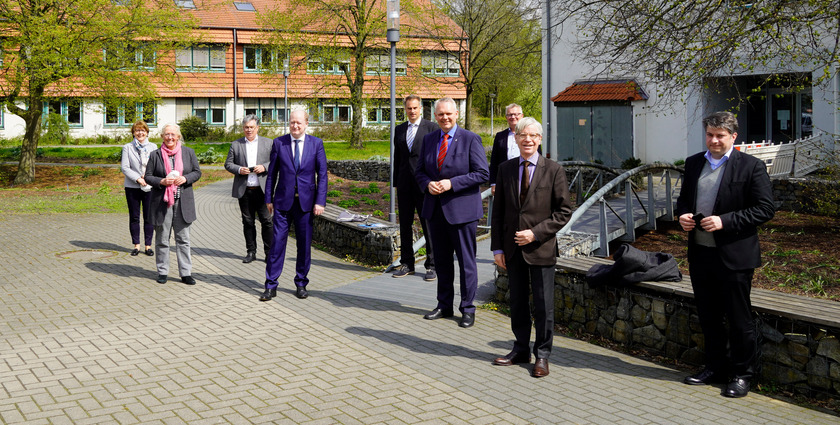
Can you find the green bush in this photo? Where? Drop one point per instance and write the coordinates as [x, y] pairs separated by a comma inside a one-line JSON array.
[[193, 128], [360, 191], [210, 156], [679, 162], [630, 163], [333, 194], [347, 203], [56, 130], [373, 187]]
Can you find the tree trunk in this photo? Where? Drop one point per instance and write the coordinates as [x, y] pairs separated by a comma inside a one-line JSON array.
[[468, 124], [29, 148], [356, 102]]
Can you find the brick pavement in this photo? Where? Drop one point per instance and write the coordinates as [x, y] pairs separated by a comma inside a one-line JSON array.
[[88, 336]]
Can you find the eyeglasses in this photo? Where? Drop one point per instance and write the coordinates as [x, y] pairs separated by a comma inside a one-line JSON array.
[[529, 135], [519, 114]]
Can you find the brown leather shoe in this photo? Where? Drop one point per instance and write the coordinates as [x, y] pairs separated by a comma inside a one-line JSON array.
[[540, 368], [512, 358]]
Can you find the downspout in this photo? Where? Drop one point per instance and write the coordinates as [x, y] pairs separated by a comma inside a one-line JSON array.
[[235, 84]]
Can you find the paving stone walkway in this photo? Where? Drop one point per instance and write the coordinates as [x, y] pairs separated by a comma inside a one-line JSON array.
[[87, 336]]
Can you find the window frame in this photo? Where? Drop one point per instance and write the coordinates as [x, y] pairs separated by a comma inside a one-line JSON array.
[[260, 64], [440, 64], [64, 105], [209, 110], [258, 106], [382, 110], [320, 69], [139, 112], [209, 49], [383, 61]]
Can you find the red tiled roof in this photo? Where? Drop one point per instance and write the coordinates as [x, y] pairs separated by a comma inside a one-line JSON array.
[[587, 91]]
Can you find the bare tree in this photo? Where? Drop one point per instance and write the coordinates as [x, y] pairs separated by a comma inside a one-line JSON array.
[[680, 43]]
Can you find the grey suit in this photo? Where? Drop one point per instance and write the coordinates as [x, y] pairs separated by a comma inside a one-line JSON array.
[[251, 199], [179, 216]]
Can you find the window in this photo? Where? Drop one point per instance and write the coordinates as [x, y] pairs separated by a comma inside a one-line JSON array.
[[381, 112], [211, 110], [127, 114], [1, 117], [259, 59], [136, 57], [330, 112], [244, 6], [440, 64], [270, 111], [201, 58], [318, 65], [380, 64], [70, 109], [185, 4]]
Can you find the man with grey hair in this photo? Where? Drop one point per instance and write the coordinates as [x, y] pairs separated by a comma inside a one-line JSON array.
[[530, 207], [450, 170], [247, 160], [504, 144]]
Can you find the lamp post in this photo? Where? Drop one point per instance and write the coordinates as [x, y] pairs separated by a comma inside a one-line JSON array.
[[393, 36], [286, 94], [492, 96]]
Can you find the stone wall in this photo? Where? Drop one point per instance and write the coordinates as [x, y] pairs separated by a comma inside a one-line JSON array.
[[366, 171], [800, 356], [374, 246], [793, 194]]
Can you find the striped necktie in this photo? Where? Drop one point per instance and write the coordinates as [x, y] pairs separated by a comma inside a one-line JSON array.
[[444, 146]]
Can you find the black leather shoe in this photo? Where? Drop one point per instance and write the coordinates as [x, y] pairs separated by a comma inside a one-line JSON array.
[[188, 280], [161, 278], [301, 292], [437, 314], [149, 252], [250, 257], [737, 388], [268, 294], [704, 377], [512, 358], [134, 252], [467, 320]]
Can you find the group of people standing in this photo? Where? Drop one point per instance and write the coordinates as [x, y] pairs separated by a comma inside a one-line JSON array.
[[440, 168]]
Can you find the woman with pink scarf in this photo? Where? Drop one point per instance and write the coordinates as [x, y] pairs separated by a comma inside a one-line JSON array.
[[171, 172]]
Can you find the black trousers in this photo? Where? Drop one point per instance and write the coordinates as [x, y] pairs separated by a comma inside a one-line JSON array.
[[136, 199], [524, 279], [252, 204], [409, 202], [723, 300]]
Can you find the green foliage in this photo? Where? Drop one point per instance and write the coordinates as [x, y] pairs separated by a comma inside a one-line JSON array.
[[56, 131], [369, 201], [210, 156], [333, 194], [193, 128], [679, 162], [373, 187], [348, 203], [386, 196], [631, 163], [360, 191], [378, 213]]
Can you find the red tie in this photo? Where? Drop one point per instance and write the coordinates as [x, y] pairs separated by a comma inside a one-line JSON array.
[[444, 145]]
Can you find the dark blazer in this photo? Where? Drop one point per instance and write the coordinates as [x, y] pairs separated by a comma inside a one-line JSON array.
[[465, 165], [156, 171], [744, 200], [499, 153], [545, 211], [310, 180], [237, 157], [405, 161]]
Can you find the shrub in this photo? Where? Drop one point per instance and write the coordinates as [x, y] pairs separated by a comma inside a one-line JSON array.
[[630, 163], [210, 156], [57, 130], [333, 194], [193, 128], [360, 191], [373, 188], [679, 162], [347, 203]]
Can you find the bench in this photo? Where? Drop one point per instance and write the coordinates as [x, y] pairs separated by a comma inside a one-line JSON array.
[[800, 349]]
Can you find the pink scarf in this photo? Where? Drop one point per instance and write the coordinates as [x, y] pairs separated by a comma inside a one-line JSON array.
[[169, 194]]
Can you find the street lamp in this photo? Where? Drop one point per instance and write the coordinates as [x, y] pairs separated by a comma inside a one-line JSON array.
[[492, 96], [393, 36], [286, 93]]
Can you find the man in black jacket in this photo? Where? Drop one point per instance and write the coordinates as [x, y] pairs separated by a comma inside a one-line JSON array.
[[408, 143], [726, 194]]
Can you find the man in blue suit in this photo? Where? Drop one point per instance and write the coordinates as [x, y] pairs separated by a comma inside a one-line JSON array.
[[451, 169], [296, 188]]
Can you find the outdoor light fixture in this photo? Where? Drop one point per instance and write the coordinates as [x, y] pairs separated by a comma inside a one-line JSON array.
[[393, 36]]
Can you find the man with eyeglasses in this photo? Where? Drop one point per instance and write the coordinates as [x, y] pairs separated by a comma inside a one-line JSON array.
[[504, 145], [531, 207]]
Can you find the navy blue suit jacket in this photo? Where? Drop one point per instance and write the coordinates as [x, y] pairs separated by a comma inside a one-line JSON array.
[[311, 179], [465, 165]]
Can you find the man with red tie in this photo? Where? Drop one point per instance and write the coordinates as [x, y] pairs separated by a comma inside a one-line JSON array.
[[296, 191], [451, 169]]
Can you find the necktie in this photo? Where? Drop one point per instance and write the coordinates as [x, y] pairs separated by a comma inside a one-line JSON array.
[[525, 183], [297, 156], [409, 138], [444, 145]]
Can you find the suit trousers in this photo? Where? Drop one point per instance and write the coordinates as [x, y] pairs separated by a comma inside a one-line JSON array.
[[136, 199], [410, 200], [722, 296], [460, 240], [524, 278], [303, 222], [173, 220], [251, 205]]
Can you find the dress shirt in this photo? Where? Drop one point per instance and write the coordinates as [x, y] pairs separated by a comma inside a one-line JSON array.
[[512, 147], [714, 163], [251, 147], [412, 126]]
